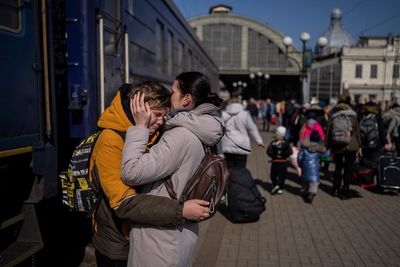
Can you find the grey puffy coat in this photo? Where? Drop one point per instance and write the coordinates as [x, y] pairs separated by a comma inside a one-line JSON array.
[[178, 153]]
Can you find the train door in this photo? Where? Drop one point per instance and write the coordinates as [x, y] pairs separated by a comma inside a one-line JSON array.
[[111, 43], [22, 128], [20, 75]]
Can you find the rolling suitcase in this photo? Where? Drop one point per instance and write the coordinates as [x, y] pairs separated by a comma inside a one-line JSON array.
[[389, 172]]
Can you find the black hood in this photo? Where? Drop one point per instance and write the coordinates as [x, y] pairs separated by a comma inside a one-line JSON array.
[[124, 91]]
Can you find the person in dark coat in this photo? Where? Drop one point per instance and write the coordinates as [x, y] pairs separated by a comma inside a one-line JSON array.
[[371, 154], [279, 150], [344, 156], [253, 109]]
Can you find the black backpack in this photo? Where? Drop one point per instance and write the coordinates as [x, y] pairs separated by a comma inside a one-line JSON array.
[[245, 203], [369, 131], [78, 192]]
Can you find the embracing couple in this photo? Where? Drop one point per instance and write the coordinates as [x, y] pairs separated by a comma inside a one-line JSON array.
[[136, 217]]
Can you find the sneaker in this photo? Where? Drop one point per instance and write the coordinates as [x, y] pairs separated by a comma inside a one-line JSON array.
[[280, 191], [275, 189]]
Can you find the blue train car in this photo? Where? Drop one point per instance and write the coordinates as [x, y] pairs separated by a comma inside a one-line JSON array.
[[61, 63]]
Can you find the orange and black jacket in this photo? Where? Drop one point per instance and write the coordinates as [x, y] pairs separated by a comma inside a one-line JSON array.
[[120, 204]]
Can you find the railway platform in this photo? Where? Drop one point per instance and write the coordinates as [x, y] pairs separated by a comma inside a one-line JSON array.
[[360, 231]]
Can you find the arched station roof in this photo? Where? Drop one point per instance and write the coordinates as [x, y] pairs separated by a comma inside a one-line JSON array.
[[241, 45]]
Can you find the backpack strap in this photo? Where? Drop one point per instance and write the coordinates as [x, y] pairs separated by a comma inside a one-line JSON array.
[[170, 187]]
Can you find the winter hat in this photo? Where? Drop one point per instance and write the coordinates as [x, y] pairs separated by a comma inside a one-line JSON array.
[[314, 101], [280, 131], [315, 137], [310, 123]]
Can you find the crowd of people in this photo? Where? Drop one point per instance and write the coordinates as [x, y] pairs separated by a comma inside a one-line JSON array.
[[343, 133], [136, 223]]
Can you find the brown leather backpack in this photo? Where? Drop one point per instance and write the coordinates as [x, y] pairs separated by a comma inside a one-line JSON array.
[[207, 183]]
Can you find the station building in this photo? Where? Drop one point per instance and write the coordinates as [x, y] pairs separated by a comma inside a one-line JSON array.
[[250, 54], [368, 69]]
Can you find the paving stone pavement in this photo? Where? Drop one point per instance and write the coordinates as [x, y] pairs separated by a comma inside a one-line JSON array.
[[361, 231]]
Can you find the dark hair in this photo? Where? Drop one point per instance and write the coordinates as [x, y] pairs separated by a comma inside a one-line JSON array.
[[344, 98], [198, 86], [315, 137], [156, 94]]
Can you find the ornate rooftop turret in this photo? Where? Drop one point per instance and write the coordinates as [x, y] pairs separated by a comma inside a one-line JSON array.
[[336, 35], [220, 9]]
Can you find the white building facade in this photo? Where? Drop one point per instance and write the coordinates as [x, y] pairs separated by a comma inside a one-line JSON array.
[[371, 70], [368, 70]]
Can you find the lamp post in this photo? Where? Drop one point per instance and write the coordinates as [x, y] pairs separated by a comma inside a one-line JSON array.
[[303, 69], [239, 86], [260, 77]]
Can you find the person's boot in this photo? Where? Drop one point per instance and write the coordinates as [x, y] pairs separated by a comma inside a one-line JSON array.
[[309, 198], [344, 194], [336, 187], [335, 191]]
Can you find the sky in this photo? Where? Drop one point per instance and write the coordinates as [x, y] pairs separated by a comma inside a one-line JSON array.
[[292, 17]]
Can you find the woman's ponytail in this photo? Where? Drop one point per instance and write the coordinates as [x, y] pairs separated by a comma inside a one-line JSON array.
[[214, 99]]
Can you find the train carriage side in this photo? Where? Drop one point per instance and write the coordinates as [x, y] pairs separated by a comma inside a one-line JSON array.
[[28, 156], [112, 42], [61, 63], [161, 44]]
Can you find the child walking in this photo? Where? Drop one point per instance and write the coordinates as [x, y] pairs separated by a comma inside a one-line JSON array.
[[279, 150], [311, 150]]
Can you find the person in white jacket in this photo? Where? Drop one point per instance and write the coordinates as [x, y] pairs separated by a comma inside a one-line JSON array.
[[236, 142], [177, 155]]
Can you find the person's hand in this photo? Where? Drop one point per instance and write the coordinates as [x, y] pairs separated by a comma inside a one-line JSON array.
[[359, 153], [140, 110], [195, 210], [262, 145], [388, 147]]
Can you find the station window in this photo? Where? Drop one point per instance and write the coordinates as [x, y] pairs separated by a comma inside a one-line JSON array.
[[357, 98], [10, 15], [374, 71], [358, 71], [396, 71]]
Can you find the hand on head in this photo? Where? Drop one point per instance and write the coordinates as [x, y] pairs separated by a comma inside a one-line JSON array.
[[140, 110], [195, 210]]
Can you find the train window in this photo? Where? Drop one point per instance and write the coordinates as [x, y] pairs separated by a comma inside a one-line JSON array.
[[112, 8], [179, 57], [190, 61], [170, 52], [112, 21], [130, 8], [160, 46], [110, 47], [10, 15]]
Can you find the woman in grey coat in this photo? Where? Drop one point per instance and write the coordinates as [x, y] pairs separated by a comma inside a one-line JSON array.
[[236, 143], [177, 155]]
